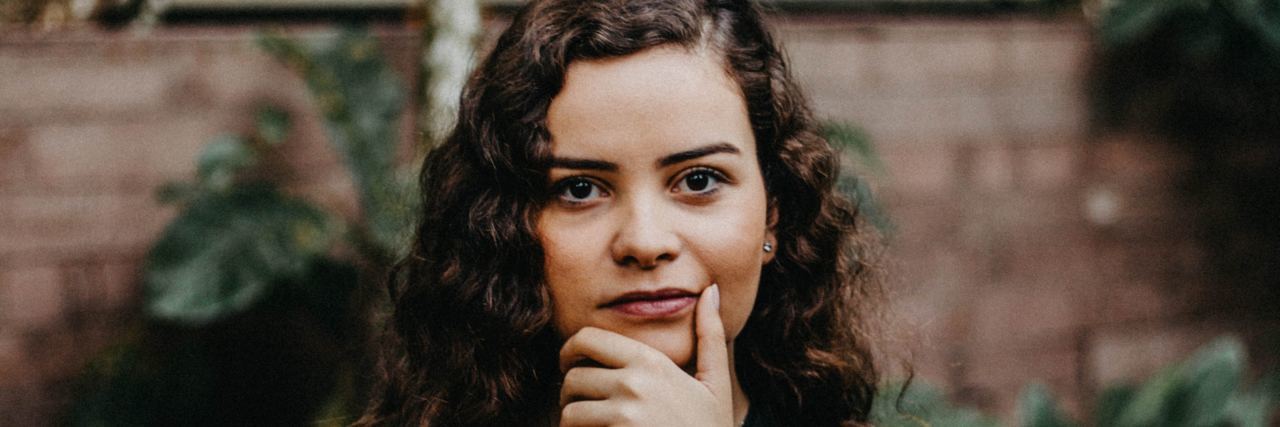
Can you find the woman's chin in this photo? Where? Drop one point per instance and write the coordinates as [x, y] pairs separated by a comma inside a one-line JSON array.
[[677, 345]]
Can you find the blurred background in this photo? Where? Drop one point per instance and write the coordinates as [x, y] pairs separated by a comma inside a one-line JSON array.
[[199, 199]]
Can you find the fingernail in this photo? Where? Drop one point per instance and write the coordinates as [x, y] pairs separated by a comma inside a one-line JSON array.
[[715, 296]]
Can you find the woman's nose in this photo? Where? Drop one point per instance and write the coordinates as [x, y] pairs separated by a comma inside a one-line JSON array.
[[645, 235]]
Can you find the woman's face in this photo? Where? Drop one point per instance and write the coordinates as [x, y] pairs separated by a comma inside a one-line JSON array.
[[656, 194]]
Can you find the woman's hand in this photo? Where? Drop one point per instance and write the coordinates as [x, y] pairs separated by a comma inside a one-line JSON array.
[[639, 386]]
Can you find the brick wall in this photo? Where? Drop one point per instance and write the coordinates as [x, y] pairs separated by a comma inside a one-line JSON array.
[[91, 124], [1025, 248]]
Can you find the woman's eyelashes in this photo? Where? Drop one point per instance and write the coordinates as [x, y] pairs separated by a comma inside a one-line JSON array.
[[579, 190], [701, 182]]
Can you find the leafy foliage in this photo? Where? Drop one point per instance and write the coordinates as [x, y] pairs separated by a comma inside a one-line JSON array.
[[233, 239], [225, 250], [1039, 409], [919, 405], [856, 145], [1205, 390], [1194, 70], [252, 301], [361, 99]]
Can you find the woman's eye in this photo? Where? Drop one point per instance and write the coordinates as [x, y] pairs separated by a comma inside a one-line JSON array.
[[579, 191], [699, 182]]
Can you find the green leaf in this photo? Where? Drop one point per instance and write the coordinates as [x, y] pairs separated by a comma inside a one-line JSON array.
[[921, 405], [1111, 404], [1153, 403], [854, 139], [361, 99], [1131, 20], [225, 251], [1193, 393], [221, 160], [1255, 407], [1212, 376], [1038, 408], [273, 125]]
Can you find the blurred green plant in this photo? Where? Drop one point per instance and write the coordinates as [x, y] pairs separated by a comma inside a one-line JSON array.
[[253, 300], [1192, 70], [855, 145], [1207, 389], [360, 99], [238, 235], [916, 404]]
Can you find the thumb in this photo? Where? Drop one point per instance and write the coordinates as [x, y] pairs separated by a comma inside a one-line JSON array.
[[713, 352]]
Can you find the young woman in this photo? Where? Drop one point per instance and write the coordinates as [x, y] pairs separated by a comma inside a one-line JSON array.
[[634, 223]]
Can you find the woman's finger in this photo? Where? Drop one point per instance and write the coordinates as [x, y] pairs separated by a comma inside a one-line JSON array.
[[713, 350], [587, 383], [609, 349], [589, 413]]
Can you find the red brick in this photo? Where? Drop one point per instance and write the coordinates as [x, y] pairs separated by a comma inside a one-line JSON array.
[[919, 169], [947, 63], [70, 224], [1055, 117], [992, 167], [1005, 374], [56, 354], [1128, 161], [15, 159], [1141, 300], [1013, 315], [13, 362], [308, 154], [120, 284], [332, 192], [831, 64], [922, 224], [1065, 263], [1059, 53], [1053, 166], [1027, 223], [32, 296], [86, 83], [157, 150], [241, 77], [934, 293], [933, 120]]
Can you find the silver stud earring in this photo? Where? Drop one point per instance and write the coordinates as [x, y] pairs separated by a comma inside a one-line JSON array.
[[768, 247]]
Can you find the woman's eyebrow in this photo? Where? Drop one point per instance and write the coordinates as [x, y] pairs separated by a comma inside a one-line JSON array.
[[576, 163], [706, 150], [668, 160]]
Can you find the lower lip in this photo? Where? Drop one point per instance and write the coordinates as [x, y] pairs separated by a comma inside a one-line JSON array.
[[659, 308]]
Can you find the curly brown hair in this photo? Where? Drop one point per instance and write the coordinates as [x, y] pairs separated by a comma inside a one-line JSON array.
[[470, 339]]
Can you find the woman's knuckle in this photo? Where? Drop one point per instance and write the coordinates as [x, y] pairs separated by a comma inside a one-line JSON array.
[[630, 414], [633, 383]]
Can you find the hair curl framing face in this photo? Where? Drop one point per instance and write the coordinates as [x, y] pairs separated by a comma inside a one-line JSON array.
[[470, 340]]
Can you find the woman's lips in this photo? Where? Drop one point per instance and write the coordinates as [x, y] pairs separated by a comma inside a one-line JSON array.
[[654, 304]]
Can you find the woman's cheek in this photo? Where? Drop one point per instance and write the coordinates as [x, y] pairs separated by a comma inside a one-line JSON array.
[[736, 266]]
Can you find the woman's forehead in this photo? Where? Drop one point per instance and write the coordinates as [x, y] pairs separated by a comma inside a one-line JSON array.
[[647, 103]]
